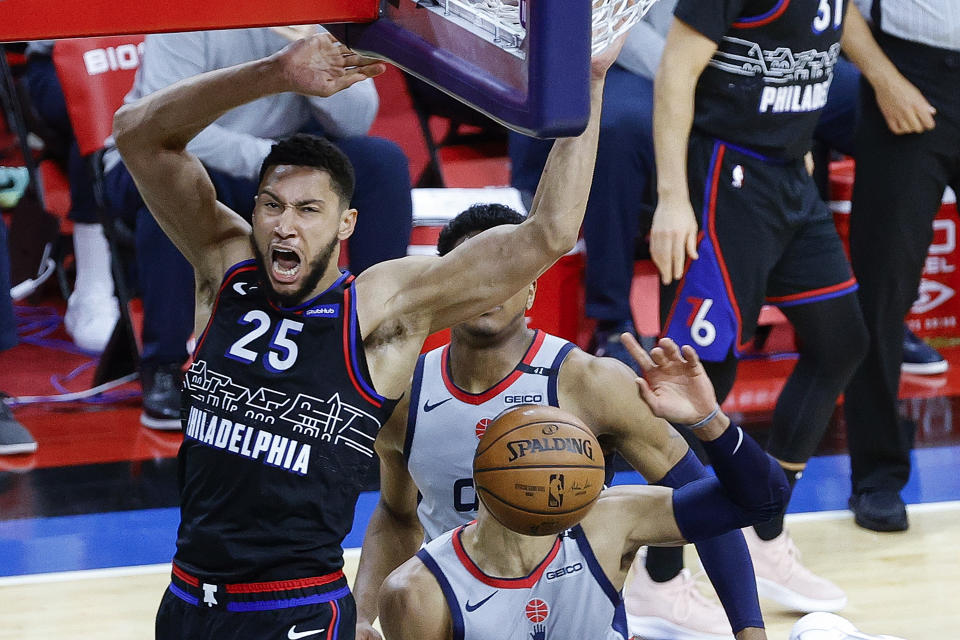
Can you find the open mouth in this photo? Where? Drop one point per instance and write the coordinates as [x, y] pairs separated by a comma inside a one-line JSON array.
[[286, 264]]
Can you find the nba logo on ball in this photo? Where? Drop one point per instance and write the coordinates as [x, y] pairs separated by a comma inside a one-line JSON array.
[[537, 610], [555, 494]]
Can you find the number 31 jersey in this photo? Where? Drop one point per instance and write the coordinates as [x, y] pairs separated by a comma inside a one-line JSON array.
[[279, 422], [445, 423]]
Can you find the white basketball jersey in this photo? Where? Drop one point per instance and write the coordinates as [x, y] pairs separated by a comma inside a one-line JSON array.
[[445, 424], [567, 597]]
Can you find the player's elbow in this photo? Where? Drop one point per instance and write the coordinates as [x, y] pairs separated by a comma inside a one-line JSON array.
[[779, 488], [129, 130], [775, 502], [123, 128], [558, 240]]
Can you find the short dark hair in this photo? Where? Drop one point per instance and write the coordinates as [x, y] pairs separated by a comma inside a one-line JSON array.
[[477, 218], [305, 150]]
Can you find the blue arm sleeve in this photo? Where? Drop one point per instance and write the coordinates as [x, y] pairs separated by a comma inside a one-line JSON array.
[[751, 488], [724, 557]]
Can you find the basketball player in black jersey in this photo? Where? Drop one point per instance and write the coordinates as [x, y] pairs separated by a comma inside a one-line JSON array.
[[737, 97], [298, 364]]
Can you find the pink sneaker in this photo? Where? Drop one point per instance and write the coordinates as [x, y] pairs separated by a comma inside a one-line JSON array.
[[782, 578], [674, 610]]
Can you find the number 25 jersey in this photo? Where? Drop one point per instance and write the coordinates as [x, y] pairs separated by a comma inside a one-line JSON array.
[[279, 422]]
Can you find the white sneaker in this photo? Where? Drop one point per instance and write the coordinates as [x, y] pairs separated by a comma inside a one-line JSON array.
[[782, 578], [90, 320], [672, 610], [829, 626]]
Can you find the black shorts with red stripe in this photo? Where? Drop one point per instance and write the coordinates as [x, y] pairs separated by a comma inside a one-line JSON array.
[[318, 608], [766, 237]]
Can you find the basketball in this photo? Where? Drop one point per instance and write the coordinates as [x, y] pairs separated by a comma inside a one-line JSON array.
[[538, 470]]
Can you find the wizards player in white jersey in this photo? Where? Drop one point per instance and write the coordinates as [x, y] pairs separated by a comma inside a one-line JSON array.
[[494, 362], [442, 412], [484, 581]]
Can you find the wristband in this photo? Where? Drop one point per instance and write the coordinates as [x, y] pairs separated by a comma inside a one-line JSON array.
[[710, 416]]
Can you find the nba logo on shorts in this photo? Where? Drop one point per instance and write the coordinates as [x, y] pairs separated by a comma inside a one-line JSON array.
[[537, 610], [737, 181]]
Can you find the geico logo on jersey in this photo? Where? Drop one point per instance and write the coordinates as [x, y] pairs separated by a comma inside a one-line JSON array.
[[125, 56], [534, 398], [521, 448], [564, 571]]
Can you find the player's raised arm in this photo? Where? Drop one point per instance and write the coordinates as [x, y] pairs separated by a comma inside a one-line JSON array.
[[436, 293], [152, 135], [394, 533]]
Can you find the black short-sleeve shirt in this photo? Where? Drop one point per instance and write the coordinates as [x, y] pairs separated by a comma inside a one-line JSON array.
[[766, 84]]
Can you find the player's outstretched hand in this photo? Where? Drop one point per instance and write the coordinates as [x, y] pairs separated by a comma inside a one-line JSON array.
[[366, 631], [674, 383], [319, 65]]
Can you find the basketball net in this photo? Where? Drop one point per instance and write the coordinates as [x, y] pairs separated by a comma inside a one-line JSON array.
[[505, 20], [613, 18]]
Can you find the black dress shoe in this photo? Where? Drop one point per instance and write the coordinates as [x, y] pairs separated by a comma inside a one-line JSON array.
[[880, 510], [919, 358], [161, 397]]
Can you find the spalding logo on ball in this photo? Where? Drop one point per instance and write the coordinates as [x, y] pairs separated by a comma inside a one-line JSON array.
[[538, 469]]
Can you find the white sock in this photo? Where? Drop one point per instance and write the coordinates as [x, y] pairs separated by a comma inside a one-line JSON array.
[[92, 253]]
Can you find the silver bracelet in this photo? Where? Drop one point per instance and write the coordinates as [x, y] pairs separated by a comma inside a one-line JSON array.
[[711, 416]]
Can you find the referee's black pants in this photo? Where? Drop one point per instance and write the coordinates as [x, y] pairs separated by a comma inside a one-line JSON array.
[[899, 185]]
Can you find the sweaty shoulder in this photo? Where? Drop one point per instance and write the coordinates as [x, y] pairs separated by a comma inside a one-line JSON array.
[[411, 588], [385, 290], [586, 383]]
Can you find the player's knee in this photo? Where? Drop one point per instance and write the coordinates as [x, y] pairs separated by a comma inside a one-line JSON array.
[[846, 348], [858, 344]]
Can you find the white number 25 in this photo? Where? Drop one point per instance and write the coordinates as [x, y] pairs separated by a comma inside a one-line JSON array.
[[283, 351]]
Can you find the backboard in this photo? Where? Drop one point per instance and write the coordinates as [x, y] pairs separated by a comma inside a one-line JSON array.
[[524, 64]]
